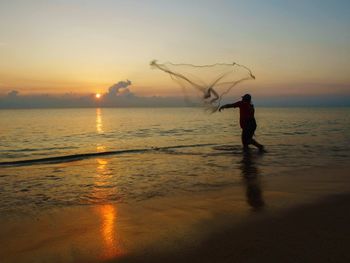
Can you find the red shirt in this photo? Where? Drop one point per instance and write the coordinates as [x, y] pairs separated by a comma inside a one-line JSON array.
[[246, 112]]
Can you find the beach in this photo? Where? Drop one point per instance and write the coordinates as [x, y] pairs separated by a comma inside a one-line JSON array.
[[304, 217], [114, 185], [174, 131]]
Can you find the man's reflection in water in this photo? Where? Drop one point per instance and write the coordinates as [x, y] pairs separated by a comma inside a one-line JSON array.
[[251, 179]]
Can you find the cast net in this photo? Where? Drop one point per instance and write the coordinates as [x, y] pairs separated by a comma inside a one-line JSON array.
[[207, 84]]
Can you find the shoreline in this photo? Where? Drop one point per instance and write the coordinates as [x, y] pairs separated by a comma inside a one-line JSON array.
[[211, 226]]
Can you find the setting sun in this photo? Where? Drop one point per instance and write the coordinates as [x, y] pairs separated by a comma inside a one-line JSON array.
[[98, 95]]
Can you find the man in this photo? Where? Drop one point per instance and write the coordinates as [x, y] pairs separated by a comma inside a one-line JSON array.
[[247, 121]]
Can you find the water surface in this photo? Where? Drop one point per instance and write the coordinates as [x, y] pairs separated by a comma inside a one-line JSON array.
[[153, 152]]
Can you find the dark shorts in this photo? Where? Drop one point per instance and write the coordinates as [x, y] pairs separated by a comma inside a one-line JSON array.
[[248, 132]]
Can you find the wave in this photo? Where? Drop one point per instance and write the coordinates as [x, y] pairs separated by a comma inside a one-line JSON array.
[[37, 149], [82, 156]]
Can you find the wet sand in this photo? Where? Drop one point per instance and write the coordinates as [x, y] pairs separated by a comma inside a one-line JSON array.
[[317, 232], [296, 216]]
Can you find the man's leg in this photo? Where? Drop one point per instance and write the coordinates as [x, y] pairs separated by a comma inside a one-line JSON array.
[[256, 144], [249, 136], [245, 140]]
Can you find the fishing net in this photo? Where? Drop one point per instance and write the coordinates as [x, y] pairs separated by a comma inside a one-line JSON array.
[[209, 84]]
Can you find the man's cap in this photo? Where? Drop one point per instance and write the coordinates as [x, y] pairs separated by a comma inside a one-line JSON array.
[[247, 97]]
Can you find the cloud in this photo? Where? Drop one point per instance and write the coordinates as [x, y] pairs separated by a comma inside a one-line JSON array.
[[120, 95], [12, 94], [120, 89]]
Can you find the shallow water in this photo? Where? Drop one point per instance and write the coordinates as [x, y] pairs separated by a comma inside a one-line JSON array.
[[98, 156]]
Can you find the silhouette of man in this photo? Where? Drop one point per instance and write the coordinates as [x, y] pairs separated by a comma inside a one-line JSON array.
[[247, 121]]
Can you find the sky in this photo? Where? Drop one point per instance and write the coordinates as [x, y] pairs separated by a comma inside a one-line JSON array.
[[294, 48]]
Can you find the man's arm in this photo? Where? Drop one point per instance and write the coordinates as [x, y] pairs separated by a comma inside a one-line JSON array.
[[233, 105]]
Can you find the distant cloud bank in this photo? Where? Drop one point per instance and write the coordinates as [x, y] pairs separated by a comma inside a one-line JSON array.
[[120, 95]]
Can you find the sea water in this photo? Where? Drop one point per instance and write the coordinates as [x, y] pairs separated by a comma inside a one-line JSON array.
[[64, 157]]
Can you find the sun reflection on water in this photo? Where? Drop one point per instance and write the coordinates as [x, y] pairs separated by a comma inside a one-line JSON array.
[[101, 148], [99, 125]]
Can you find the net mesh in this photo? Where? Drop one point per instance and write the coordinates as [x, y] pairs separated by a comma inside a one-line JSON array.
[[209, 84]]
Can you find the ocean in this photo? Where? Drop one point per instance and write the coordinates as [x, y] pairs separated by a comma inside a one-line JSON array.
[[65, 157]]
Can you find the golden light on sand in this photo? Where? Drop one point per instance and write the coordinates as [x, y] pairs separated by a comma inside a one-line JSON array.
[[111, 247], [108, 229], [97, 95]]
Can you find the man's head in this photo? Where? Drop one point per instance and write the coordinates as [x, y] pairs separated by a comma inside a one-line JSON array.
[[247, 98]]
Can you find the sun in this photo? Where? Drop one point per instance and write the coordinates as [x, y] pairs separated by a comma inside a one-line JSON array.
[[97, 95]]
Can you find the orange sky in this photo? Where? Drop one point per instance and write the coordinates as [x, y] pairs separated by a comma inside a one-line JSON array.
[[87, 46]]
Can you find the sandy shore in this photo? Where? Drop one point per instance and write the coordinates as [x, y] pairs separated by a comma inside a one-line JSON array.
[[298, 216], [310, 233], [306, 219]]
